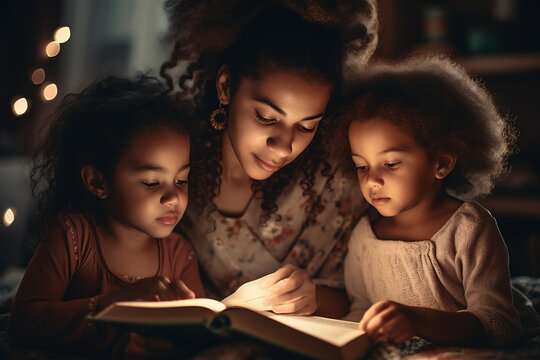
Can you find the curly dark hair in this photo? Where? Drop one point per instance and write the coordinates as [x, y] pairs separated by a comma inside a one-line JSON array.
[[312, 38], [93, 127], [445, 111]]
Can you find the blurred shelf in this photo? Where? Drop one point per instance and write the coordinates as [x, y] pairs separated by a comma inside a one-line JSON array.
[[512, 206], [501, 64]]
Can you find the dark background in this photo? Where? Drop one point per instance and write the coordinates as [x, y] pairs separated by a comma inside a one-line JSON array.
[[497, 41]]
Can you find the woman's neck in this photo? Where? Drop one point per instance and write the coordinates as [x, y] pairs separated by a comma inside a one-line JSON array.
[[235, 192], [231, 166]]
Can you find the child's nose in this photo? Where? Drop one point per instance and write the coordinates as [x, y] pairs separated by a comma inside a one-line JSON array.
[[170, 196], [374, 179]]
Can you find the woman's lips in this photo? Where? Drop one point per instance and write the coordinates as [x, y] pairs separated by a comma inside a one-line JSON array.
[[266, 166]]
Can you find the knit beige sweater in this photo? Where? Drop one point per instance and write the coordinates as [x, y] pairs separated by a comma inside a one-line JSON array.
[[464, 266]]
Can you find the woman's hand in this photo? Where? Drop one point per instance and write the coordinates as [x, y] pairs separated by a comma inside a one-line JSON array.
[[290, 290], [156, 288], [389, 321]]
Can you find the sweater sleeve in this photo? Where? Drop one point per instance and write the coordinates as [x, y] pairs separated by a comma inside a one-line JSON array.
[[40, 315], [483, 263]]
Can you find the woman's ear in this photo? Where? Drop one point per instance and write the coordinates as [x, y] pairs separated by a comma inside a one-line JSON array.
[[223, 85], [444, 165], [94, 181]]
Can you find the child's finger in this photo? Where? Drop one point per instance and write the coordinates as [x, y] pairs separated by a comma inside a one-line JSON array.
[[370, 313], [181, 290]]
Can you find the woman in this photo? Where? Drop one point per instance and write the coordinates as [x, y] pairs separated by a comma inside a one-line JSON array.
[[264, 195]]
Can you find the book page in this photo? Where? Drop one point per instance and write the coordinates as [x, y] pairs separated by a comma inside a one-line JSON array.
[[337, 332], [210, 304], [250, 295]]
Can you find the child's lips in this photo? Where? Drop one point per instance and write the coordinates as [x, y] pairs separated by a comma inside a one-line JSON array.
[[169, 218], [379, 200]]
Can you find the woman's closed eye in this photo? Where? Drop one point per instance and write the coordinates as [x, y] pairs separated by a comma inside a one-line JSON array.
[[264, 120], [306, 129]]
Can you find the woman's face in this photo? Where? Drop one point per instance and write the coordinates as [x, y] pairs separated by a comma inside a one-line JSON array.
[[273, 118]]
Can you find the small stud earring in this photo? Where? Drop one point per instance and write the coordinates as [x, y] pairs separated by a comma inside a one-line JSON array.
[[442, 174]]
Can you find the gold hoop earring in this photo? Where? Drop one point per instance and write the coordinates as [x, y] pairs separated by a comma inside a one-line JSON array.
[[218, 118]]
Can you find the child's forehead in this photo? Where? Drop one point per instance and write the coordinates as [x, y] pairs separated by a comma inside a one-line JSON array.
[[156, 146], [379, 132]]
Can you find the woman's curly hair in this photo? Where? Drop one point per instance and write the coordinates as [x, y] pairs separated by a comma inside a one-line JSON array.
[[445, 111], [93, 127], [313, 38]]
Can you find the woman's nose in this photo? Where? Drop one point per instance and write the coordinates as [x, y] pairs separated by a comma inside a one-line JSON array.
[[281, 142]]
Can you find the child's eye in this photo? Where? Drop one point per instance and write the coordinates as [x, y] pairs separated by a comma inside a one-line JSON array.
[[392, 165], [361, 168], [181, 182], [150, 184], [264, 120]]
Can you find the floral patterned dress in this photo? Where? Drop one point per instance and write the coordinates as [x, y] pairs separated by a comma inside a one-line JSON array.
[[232, 251]]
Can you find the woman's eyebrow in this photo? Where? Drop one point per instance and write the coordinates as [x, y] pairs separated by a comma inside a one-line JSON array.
[[272, 105], [279, 110]]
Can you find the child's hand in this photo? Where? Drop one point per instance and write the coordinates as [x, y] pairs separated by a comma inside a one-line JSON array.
[[290, 290], [156, 288], [388, 320]]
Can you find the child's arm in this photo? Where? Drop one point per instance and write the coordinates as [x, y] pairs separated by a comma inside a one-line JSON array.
[[331, 302], [40, 315], [388, 320], [44, 315]]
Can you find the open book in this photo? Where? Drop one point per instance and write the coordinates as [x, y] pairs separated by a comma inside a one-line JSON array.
[[242, 312]]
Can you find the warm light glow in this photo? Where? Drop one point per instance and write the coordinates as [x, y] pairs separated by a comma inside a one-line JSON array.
[[50, 91], [52, 49], [20, 106], [38, 76], [9, 217], [62, 34]]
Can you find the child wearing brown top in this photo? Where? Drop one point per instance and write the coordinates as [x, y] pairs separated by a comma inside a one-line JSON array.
[[111, 179]]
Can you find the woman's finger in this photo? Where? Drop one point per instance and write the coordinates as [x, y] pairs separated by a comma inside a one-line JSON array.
[[281, 273]]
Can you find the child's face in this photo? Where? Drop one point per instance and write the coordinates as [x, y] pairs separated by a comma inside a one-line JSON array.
[[148, 191], [273, 118], [395, 174]]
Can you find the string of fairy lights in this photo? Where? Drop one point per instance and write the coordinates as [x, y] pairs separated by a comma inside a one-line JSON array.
[[20, 105]]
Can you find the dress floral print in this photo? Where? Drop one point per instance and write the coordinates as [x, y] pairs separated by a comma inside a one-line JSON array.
[[233, 251]]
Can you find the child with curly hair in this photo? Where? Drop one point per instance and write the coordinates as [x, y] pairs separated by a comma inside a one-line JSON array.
[[263, 76], [426, 140], [111, 177]]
